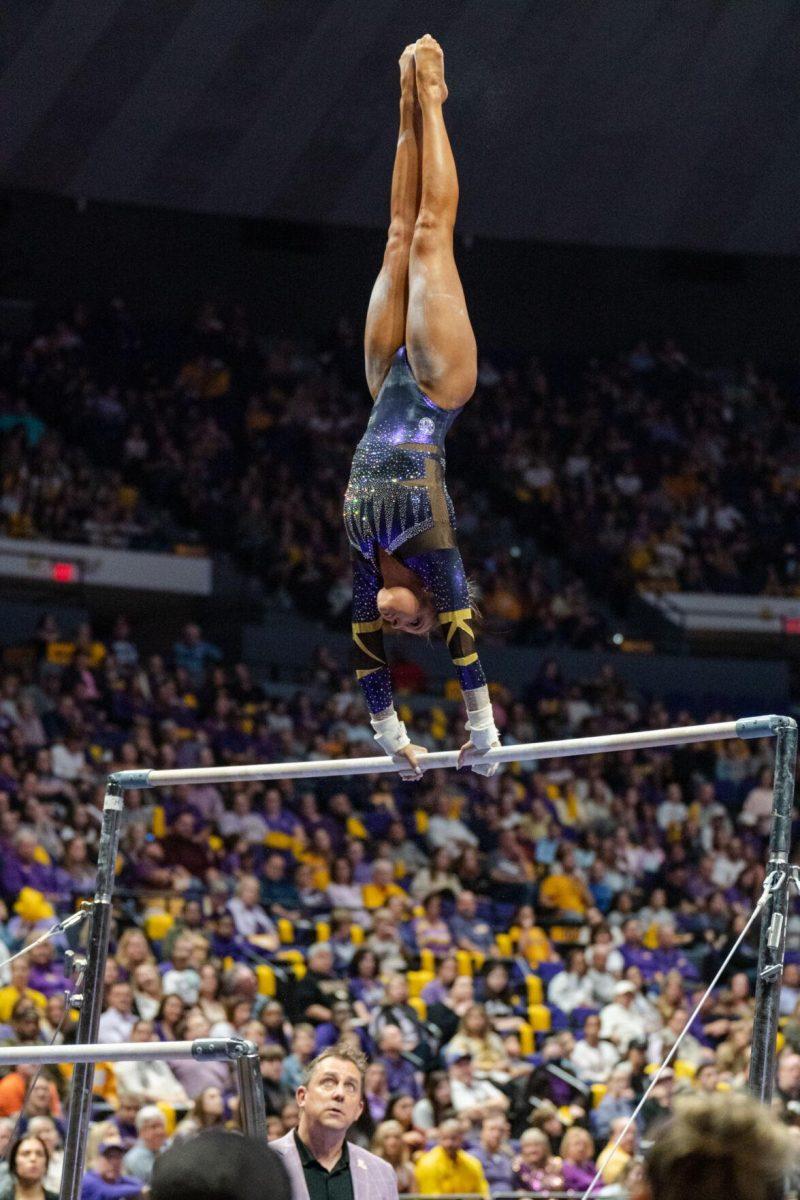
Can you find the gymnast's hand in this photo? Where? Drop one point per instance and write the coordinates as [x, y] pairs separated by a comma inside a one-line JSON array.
[[479, 768], [411, 753]]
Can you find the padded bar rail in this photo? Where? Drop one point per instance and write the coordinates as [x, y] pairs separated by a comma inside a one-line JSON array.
[[746, 727]]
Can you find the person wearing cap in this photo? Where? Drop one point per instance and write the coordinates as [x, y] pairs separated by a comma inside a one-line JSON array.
[[473, 1099], [105, 1181], [321, 1163], [619, 1023], [220, 1166]]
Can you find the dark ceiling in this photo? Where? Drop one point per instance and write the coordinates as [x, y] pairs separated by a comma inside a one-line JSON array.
[[612, 122]]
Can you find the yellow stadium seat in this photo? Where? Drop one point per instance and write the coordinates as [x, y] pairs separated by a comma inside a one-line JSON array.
[[478, 959], [159, 822], [527, 1042], [290, 956], [419, 1006], [780, 1042], [539, 1017], [504, 947], [266, 979], [598, 1091], [417, 980], [356, 934], [322, 931], [427, 961], [464, 960], [158, 925], [683, 1069], [534, 985], [285, 931], [421, 822], [299, 969]]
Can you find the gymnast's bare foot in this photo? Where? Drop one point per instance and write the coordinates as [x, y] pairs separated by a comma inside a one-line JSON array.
[[429, 59], [408, 74]]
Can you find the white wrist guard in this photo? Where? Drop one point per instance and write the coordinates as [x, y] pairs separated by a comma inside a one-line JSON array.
[[390, 733], [481, 728]]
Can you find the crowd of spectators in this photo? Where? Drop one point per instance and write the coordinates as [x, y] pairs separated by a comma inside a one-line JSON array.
[[513, 954], [646, 470]]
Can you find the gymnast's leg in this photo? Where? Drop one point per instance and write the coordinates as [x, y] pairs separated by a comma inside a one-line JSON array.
[[439, 338], [386, 316]]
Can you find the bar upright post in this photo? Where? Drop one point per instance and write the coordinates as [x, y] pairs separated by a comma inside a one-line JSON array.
[[92, 1004], [772, 942], [251, 1094]]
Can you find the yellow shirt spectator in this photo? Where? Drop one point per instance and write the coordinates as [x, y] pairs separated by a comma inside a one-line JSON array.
[[381, 886], [448, 1172], [9, 997]]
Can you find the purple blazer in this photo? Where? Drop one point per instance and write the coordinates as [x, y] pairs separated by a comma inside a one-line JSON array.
[[373, 1179]]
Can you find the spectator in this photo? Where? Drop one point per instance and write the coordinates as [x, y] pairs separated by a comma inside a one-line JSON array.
[[617, 1102], [447, 1169], [118, 1018], [619, 1023], [220, 1166], [436, 1106], [470, 932], [388, 1144], [578, 1168], [152, 1140], [400, 1074], [28, 1160], [207, 1113], [276, 1092], [151, 1079], [105, 1180], [47, 1132], [572, 988], [535, 1169], [495, 1154], [473, 1099], [718, 1148], [614, 1169], [592, 1058]]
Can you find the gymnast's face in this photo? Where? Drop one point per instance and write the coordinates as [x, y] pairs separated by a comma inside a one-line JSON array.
[[405, 611]]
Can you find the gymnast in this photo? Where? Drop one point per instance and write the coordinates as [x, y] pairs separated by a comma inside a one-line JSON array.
[[421, 366]]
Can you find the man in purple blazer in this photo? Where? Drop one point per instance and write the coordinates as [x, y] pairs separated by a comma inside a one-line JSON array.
[[321, 1164]]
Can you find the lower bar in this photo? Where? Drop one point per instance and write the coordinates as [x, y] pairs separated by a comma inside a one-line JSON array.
[[201, 1048]]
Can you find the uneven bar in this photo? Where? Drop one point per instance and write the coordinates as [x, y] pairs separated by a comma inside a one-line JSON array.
[[202, 1048], [746, 727]]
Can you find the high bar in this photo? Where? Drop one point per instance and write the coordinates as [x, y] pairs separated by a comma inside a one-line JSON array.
[[201, 1048], [745, 727]]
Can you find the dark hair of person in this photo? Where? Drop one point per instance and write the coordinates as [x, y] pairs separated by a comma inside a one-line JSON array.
[[14, 1151]]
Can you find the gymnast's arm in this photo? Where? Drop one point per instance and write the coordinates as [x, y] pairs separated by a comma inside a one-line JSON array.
[[372, 670]]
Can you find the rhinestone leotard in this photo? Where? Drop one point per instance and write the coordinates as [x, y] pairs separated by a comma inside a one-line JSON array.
[[397, 500]]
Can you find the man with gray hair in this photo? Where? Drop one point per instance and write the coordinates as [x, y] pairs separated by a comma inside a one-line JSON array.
[[151, 1126], [311, 998], [321, 1163]]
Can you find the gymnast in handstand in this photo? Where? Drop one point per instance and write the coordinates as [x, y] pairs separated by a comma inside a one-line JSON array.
[[421, 365]]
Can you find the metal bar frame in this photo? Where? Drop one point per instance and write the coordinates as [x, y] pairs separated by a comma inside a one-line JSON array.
[[252, 1099], [772, 938]]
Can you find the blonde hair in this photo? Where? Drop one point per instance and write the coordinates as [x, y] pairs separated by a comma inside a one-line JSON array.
[[572, 1135], [385, 1128], [719, 1146]]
